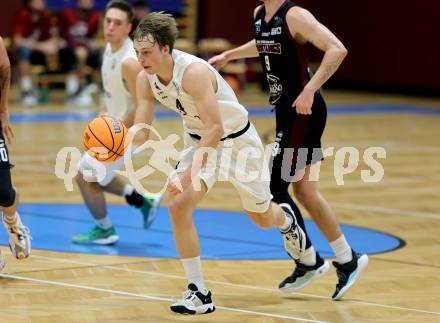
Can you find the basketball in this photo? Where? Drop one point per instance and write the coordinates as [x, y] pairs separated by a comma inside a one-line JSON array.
[[104, 137]]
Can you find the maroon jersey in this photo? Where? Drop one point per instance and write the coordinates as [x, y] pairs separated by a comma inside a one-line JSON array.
[[284, 61], [77, 27], [31, 24]]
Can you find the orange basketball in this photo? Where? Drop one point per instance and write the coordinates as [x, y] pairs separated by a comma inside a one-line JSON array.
[[104, 138]]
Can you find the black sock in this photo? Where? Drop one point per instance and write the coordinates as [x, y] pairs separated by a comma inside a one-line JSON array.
[[135, 199]]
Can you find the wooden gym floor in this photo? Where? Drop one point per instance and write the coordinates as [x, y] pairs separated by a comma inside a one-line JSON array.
[[398, 286]]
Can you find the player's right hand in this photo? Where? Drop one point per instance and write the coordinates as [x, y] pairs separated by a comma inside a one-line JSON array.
[[218, 61]]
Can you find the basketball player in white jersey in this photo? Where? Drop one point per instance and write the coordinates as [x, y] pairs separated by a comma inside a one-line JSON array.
[[212, 118], [119, 71]]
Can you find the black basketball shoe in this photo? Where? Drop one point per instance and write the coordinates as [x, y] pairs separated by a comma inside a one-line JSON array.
[[194, 302]]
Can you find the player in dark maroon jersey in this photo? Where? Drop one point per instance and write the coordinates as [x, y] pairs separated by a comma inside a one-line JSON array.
[[281, 31]]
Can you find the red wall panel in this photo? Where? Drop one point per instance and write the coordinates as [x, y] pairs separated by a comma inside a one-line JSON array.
[[391, 43]]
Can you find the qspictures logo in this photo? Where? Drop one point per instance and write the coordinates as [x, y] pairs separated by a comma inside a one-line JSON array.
[[229, 160]]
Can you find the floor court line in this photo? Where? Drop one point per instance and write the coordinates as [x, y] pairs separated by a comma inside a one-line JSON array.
[[152, 298], [273, 290]]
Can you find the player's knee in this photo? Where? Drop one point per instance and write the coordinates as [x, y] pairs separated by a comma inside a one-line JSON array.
[[7, 196], [178, 206], [263, 220], [304, 195], [79, 179]]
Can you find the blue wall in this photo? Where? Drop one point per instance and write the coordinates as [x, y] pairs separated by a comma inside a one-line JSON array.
[[171, 6]]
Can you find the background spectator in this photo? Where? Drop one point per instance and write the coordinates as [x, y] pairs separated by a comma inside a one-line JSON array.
[[141, 8], [78, 28], [33, 38]]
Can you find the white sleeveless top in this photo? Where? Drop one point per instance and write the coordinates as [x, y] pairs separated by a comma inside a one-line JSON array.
[[234, 116], [117, 99]]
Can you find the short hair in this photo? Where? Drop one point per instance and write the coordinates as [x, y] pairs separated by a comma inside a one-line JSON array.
[[123, 6], [161, 26]]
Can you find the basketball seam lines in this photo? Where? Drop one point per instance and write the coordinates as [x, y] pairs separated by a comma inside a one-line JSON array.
[[110, 150], [109, 129]]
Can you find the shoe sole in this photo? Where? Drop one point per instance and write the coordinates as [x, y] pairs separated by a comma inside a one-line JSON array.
[[321, 271], [107, 241], [204, 309], [362, 263]]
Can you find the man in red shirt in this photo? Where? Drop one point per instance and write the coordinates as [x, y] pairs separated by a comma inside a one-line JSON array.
[[78, 28], [32, 36]]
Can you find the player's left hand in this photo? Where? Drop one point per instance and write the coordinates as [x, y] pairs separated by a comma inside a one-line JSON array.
[[304, 102], [6, 127]]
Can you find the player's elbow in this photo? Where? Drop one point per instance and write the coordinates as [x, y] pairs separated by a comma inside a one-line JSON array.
[[342, 50]]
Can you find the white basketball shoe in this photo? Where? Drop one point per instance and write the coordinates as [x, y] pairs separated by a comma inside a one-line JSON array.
[[19, 239]]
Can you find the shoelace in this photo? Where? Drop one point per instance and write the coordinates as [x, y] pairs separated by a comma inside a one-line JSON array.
[[188, 294], [21, 231]]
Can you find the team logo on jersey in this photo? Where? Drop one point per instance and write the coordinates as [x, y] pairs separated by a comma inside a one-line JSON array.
[[275, 87], [258, 26], [159, 91], [276, 31], [269, 48]]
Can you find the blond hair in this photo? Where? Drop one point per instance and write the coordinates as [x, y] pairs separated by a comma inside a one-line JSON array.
[[160, 26]]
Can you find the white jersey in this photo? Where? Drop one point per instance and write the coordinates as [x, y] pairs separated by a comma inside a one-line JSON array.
[[234, 116], [117, 99]]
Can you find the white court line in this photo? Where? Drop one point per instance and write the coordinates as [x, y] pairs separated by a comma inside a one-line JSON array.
[[152, 298], [232, 284]]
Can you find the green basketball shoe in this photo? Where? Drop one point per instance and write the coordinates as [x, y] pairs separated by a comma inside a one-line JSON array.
[[149, 208], [98, 236]]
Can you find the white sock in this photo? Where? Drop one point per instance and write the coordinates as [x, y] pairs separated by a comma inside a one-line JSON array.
[[128, 190], [193, 269], [287, 222], [308, 258], [342, 250], [104, 223], [72, 84], [26, 83], [10, 219]]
